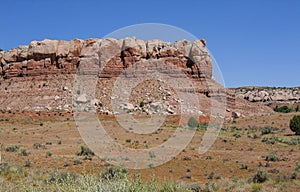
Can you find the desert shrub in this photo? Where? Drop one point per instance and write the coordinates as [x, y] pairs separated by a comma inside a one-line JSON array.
[[271, 157], [12, 148], [283, 109], [266, 130], [62, 177], [112, 173], [59, 142], [48, 154], [202, 126], [295, 124], [256, 188], [244, 166], [77, 162], [152, 154], [142, 104], [37, 145], [193, 123], [196, 187], [66, 164], [236, 135], [294, 175], [292, 141], [268, 140], [11, 171], [186, 158], [24, 152], [85, 151], [260, 177], [27, 163]]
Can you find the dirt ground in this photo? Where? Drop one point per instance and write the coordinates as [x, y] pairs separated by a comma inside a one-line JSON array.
[[239, 151]]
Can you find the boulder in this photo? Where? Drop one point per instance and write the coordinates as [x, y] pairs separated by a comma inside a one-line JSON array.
[[11, 55], [126, 106], [45, 47], [235, 114], [82, 98], [91, 48], [184, 47]]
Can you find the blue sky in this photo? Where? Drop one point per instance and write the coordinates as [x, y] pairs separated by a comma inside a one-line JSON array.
[[255, 42]]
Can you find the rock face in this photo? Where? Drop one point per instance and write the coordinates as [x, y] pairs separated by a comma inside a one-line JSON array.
[[43, 72], [270, 96], [88, 56]]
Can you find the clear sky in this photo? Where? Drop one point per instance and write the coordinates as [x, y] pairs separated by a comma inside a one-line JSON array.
[[255, 42]]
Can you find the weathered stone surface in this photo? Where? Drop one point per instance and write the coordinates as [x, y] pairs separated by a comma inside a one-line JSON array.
[[110, 55], [11, 55], [201, 59], [270, 96], [133, 50], [184, 47], [91, 48]]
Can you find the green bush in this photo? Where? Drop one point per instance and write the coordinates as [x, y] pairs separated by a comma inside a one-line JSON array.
[[295, 124], [48, 154], [12, 148], [24, 152], [37, 145], [260, 177], [283, 109], [193, 123], [265, 131], [271, 157], [85, 151], [142, 104]]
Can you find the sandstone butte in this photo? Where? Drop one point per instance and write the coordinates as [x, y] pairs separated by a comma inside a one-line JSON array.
[[110, 56]]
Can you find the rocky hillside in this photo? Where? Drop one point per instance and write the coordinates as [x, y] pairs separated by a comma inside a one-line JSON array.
[[40, 76], [270, 96]]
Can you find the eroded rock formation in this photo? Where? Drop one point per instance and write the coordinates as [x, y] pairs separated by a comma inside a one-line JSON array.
[[43, 71], [66, 57]]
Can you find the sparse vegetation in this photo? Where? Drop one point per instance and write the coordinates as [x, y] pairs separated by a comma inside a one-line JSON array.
[[193, 123], [297, 108], [27, 163], [85, 151], [77, 162], [260, 177], [48, 154], [37, 145], [295, 124], [48, 143], [24, 152], [271, 157], [152, 154], [12, 148], [186, 158], [142, 104], [283, 109], [265, 131]]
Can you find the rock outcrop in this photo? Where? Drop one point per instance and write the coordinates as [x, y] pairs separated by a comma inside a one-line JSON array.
[[270, 96], [43, 73], [87, 56]]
